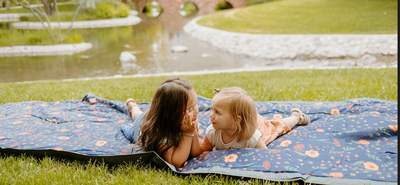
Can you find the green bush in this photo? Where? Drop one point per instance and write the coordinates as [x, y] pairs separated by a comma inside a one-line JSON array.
[[223, 5], [33, 40], [122, 10], [105, 11], [4, 33], [74, 38], [24, 18]]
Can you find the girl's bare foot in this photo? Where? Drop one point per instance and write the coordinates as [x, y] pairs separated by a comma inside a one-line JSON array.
[[132, 108]]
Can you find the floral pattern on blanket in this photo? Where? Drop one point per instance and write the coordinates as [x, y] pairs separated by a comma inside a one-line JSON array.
[[353, 139]]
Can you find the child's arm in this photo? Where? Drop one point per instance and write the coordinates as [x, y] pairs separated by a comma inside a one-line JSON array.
[[177, 156], [196, 149], [206, 145], [260, 144]]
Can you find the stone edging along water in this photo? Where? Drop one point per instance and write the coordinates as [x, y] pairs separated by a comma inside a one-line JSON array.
[[292, 46], [132, 19], [61, 49]]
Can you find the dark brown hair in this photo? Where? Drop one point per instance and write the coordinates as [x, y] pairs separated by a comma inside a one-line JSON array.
[[162, 124]]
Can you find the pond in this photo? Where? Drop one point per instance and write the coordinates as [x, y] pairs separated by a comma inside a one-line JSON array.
[[150, 41]]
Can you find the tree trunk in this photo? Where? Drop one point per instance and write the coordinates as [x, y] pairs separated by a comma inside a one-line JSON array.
[[48, 7], [7, 5]]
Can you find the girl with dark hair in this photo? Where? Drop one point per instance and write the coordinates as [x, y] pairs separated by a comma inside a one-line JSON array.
[[169, 127]]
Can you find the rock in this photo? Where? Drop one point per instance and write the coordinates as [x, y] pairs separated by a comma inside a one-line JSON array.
[[335, 53], [354, 52], [367, 59], [126, 56], [204, 55], [179, 48], [348, 63]]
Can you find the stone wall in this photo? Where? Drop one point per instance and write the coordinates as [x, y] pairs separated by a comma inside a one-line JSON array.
[[354, 48], [204, 6]]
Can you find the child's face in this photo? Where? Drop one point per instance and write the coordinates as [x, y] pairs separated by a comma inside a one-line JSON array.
[[192, 107], [220, 116]]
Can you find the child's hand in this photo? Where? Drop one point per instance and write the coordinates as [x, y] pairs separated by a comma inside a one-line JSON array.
[[189, 126]]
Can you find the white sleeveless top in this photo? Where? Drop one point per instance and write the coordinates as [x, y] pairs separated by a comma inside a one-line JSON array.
[[215, 138]]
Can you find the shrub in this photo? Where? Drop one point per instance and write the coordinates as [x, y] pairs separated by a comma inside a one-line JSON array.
[[74, 38], [105, 11], [34, 40], [223, 5], [122, 10], [24, 18]]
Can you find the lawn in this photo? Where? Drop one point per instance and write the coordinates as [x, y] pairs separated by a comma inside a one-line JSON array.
[[309, 17], [279, 85], [61, 8]]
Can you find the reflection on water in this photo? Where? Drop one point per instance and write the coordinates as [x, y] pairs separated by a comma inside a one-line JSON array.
[[150, 41]]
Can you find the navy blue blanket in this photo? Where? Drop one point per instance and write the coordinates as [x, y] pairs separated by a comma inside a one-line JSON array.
[[347, 142]]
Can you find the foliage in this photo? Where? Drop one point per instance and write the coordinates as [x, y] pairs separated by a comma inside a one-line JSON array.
[[73, 38], [35, 37], [61, 8], [309, 17], [122, 10], [188, 7], [223, 5], [34, 40], [152, 9], [105, 11]]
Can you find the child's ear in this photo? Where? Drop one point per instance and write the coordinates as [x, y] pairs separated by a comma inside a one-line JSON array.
[[240, 118]]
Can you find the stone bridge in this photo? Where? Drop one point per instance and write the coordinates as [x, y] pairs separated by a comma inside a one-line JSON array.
[[203, 6]]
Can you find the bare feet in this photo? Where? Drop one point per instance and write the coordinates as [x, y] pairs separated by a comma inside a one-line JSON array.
[[132, 108], [303, 119]]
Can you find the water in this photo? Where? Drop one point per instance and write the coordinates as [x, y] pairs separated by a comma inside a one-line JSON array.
[[151, 41]]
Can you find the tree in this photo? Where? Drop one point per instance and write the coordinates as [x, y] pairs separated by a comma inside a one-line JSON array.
[[38, 12]]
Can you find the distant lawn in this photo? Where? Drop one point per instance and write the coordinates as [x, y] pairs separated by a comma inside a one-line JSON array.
[[61, 8], [309, 17], [279, 85]]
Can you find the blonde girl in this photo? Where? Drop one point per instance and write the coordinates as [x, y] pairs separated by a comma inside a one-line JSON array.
[[236, 124], [169, 127]]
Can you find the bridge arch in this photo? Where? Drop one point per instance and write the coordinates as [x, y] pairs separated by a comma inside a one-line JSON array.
[[204, 6]]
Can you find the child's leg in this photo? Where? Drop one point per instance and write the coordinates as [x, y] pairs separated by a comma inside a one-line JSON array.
[[297, 117], [133, 109], [291, 121]]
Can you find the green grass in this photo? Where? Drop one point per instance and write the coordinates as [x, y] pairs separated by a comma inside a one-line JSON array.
[[61, 8], [309, 17], [279, 85], [28, 170], [36, 37]]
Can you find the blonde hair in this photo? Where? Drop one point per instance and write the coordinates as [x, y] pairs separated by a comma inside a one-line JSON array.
[[242, 110]]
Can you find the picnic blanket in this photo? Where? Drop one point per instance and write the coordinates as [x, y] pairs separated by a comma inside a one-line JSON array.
[[348, 142]]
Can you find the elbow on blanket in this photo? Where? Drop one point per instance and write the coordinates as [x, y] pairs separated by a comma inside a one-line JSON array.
[[178, 164]]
